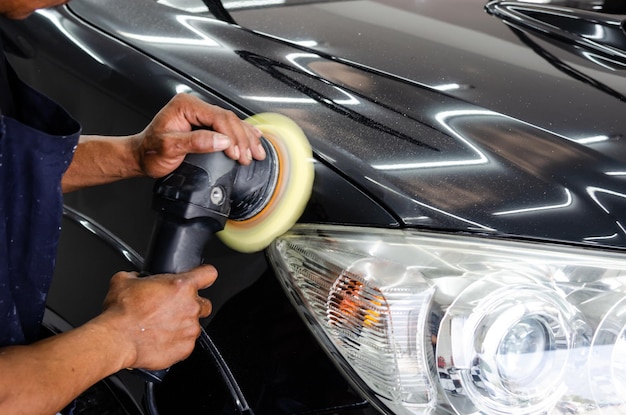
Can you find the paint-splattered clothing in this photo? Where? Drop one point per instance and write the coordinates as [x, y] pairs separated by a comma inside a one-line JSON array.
[[37, 142]]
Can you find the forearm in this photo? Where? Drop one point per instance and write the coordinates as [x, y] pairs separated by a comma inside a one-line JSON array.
[[44, 377], [149, 323], [100, 160]]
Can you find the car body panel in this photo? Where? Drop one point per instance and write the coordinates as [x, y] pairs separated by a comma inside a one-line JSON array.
[[522, 169]]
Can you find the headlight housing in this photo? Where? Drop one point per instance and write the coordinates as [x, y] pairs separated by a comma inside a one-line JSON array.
[[427, 323]]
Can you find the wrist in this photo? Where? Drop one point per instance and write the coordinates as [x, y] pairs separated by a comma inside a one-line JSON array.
[[113, 329], [135, 151]]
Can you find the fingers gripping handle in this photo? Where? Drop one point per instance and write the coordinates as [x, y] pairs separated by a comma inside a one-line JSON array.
[[177, 246]]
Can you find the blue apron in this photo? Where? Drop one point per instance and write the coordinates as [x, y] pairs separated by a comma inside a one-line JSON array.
[[37, 142]]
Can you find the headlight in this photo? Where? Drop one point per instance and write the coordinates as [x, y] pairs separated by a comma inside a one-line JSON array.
[[426, 323]]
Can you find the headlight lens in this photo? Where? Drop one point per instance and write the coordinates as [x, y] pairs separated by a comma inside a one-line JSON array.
[[427, 323]]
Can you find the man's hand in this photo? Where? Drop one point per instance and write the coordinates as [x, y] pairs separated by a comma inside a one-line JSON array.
[[148, 323], [189, 125], [185, 125], [158, 316]]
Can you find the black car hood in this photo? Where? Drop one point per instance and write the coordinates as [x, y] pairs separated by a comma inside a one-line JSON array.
[[443, 113]]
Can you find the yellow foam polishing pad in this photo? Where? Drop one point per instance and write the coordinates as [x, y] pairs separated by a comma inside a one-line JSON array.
[[293, 186]]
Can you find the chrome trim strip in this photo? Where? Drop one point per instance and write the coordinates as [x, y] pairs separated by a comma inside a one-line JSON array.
[[105, 235]]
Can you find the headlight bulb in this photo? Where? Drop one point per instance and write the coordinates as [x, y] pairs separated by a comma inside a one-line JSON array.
[[523, 351]]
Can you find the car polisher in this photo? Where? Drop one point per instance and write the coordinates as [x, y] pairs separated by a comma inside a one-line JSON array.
[[246, 206]]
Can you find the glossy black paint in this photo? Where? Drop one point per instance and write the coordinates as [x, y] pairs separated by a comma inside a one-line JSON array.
[[520, 167], [432, 114]]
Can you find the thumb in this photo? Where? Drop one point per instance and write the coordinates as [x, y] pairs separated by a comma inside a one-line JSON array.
[[202, 277]]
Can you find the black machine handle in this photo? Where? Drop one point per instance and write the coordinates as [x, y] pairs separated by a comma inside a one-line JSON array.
[[178, 244], [192, 204]]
